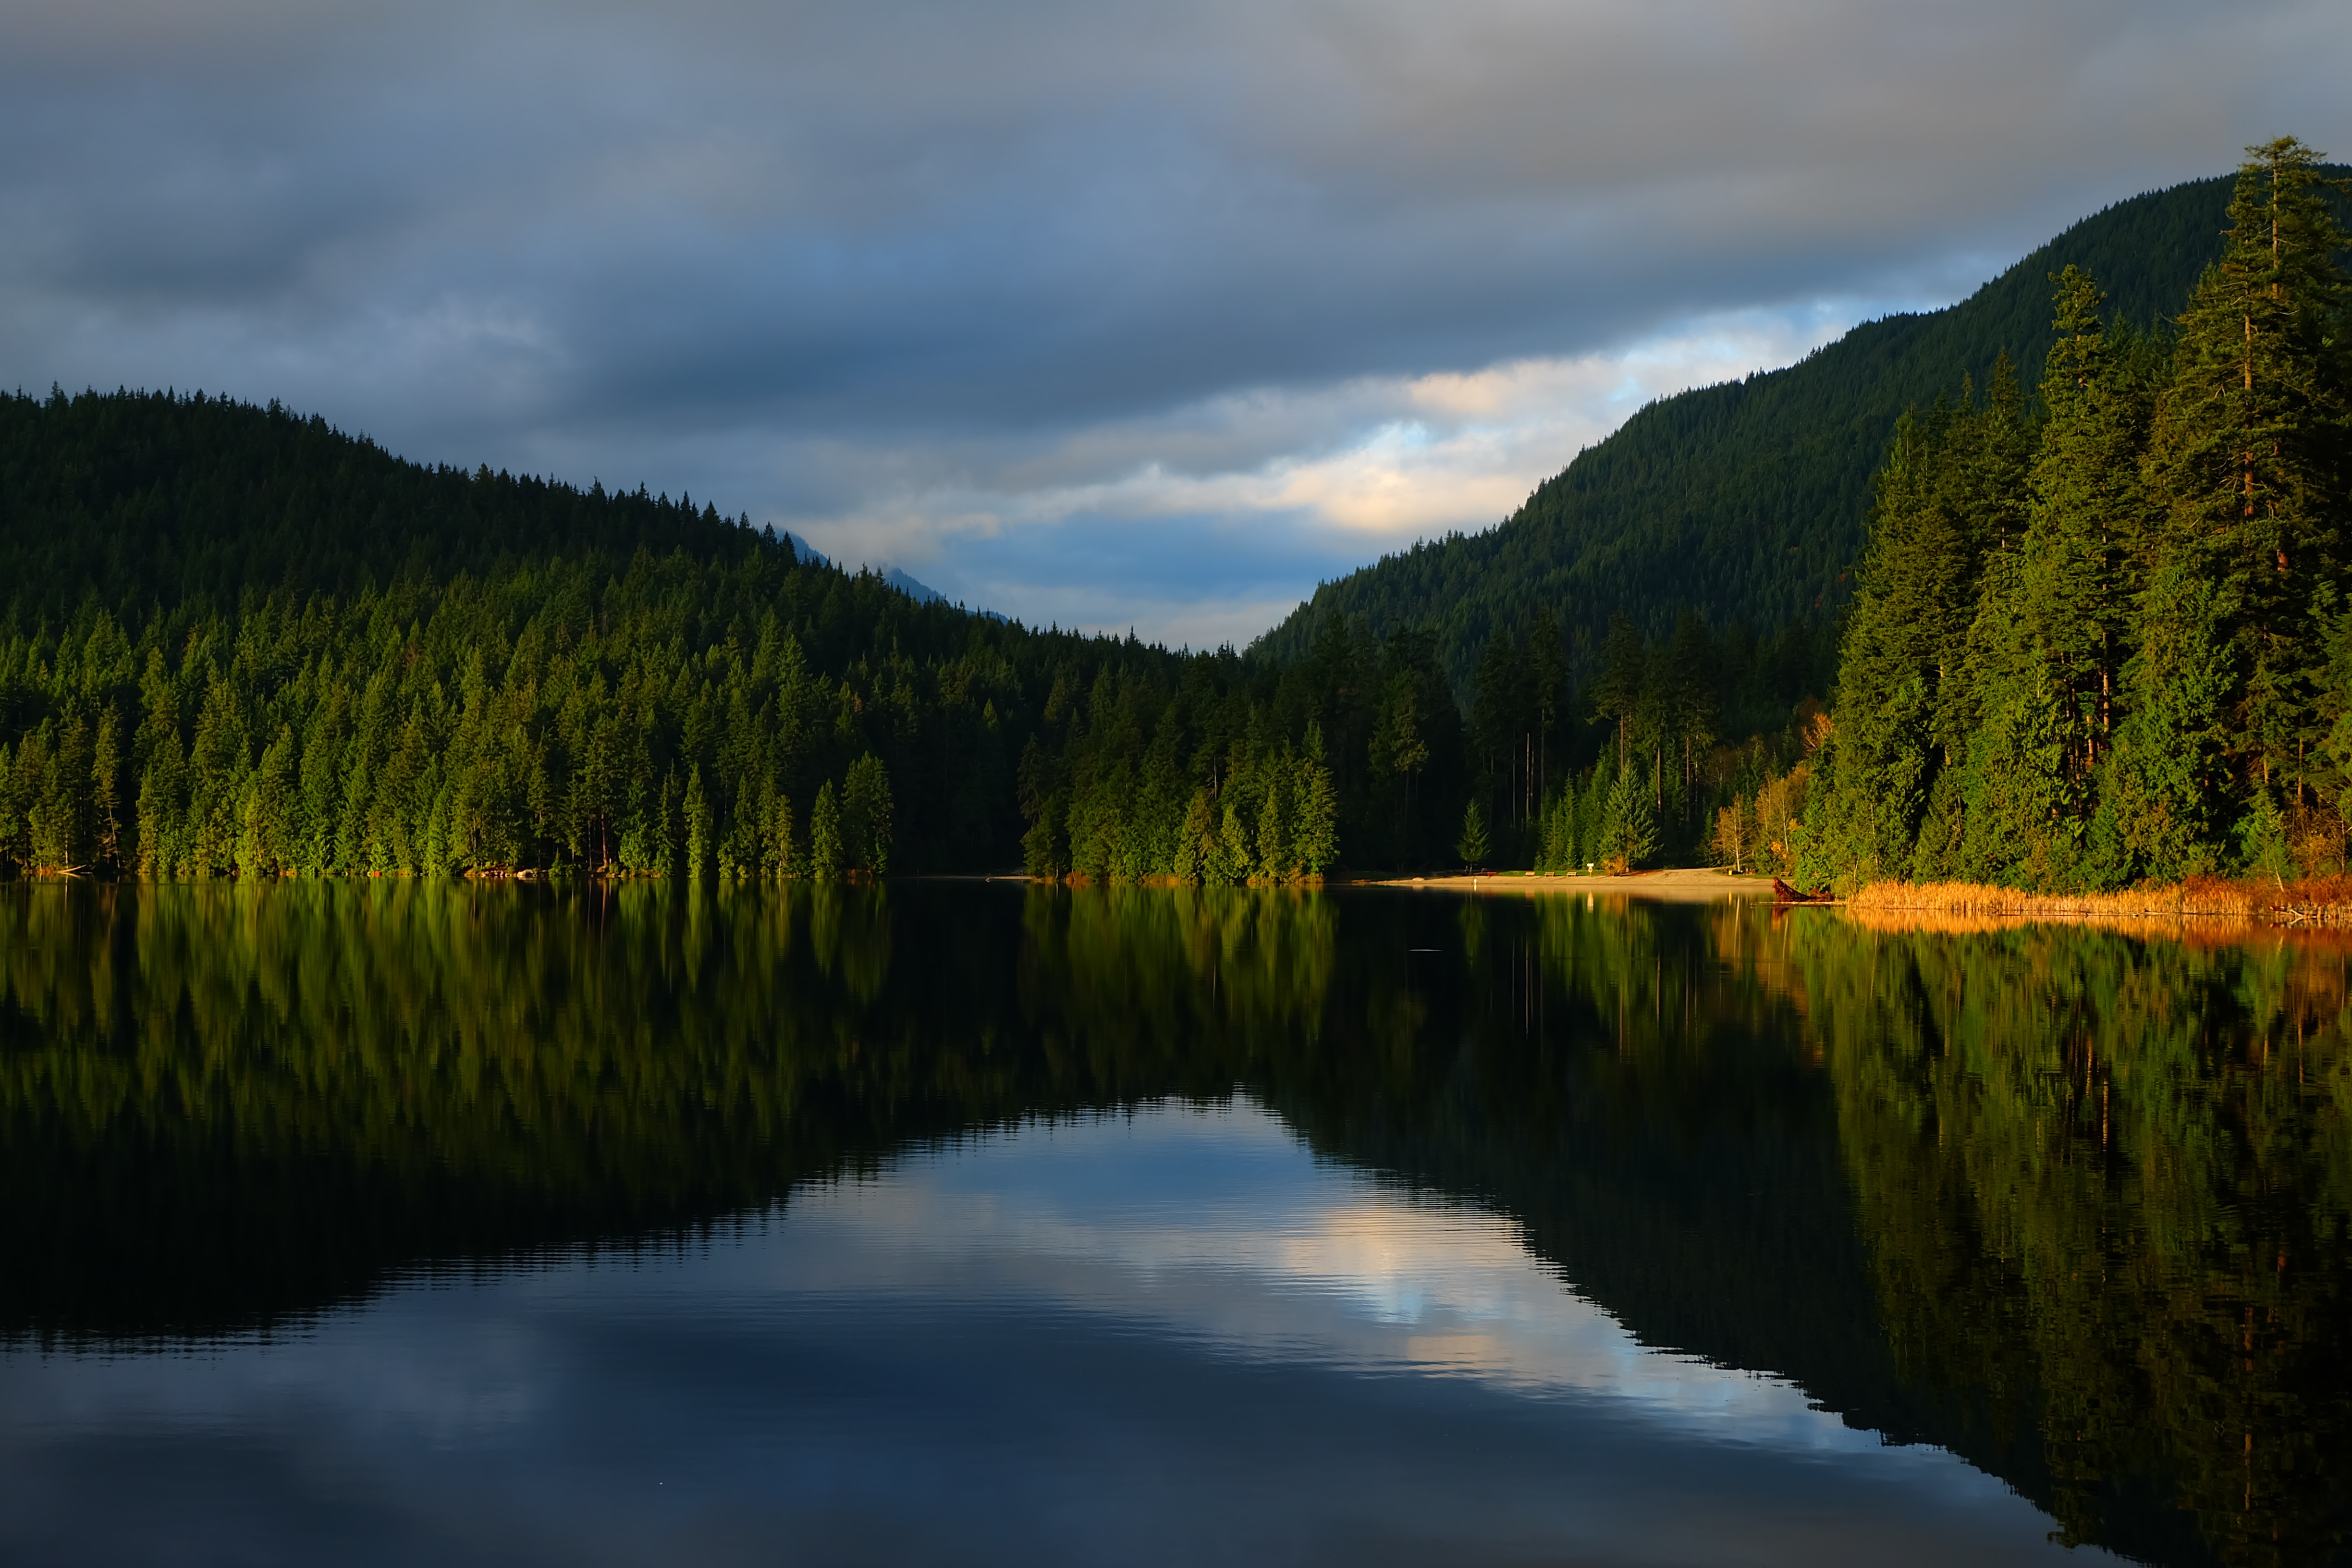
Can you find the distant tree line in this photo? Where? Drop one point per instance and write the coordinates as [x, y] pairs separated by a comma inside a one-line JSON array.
[[236, 642], [2106, 641], [232, 641], [554, 716]]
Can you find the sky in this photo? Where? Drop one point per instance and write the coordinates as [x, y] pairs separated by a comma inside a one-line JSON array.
[[1110, 314]]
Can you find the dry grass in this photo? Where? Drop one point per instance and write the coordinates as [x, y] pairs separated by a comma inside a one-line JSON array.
[[2311, 901], [1913, 920]]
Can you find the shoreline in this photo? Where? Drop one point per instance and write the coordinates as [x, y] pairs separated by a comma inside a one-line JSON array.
[[1694, 884], [2312, 904], [2324, 903]]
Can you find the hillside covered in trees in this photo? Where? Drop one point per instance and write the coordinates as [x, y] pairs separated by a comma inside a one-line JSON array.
[[235, 640], [2110, 645], [1746, 503]]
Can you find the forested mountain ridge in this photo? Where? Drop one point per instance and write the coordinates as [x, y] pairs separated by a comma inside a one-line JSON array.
[[1745, 502], [235, 640], [139, 499]]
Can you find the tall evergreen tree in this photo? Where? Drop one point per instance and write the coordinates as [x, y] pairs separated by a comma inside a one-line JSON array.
[[1905, 643], [826, 855], [1616, 690], [2077, 583], [1470, 845], [2247, 460]]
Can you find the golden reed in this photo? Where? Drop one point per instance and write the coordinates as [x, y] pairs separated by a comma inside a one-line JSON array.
[[2309, 901]]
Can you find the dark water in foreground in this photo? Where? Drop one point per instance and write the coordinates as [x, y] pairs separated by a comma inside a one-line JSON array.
[[961, 1223]]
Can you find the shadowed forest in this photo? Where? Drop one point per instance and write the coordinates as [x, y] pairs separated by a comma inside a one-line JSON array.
[[234, 642]]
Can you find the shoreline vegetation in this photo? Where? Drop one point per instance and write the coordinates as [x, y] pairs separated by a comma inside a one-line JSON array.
[[2315, 901], [2311, 902]]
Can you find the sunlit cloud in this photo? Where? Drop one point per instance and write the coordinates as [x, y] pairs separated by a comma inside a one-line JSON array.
[[1284, 488]]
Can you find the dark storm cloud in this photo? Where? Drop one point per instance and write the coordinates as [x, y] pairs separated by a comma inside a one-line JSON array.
[[788, 245]]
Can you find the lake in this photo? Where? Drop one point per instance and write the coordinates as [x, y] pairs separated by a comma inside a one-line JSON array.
[[979, 1222]]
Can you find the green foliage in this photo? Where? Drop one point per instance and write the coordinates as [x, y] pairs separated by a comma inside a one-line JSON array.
[[295, 654], [1627, 829], [827, 854], [1315, 830], [865, 814], [318, 660], [236, 642], [700, 848], [2145, 680], [1561, 841], [1471, 844], [2261, 837], [1747, 502], [2167, 784], [1234, 772], [2247, 458]]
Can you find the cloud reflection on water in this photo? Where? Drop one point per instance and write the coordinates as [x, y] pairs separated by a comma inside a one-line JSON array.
[[1169, 1335]]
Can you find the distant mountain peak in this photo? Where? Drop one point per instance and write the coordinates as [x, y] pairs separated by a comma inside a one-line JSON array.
[[922, 592]]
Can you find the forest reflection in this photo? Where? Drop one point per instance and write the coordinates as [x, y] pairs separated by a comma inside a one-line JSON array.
[[2072, 1203]]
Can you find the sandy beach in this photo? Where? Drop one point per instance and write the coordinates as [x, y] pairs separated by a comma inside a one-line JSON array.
[[1689, 885]]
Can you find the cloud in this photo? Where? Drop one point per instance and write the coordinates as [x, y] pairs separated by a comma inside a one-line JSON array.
[[1206, 524], [911, 250]]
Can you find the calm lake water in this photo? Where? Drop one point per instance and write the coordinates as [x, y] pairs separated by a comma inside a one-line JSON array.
[[964, 1223]]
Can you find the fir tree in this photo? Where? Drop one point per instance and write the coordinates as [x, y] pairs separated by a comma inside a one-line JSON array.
[[1196, 845], [2075, 585], [105, 789], [824, 835], [777, 843], [2168, 792], [1228, 862], [1316, 840], [699, 858], [1471, 844], [1617, 689], [865, 816], [1274, 851], [1560, 855], [2247, 453], [1628, 832]]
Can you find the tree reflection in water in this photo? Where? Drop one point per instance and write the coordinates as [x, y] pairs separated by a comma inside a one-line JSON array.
[[2073, 1202]]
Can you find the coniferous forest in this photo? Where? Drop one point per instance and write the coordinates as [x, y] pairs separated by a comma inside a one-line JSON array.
[[2097, 640], [2103, 641], [233, 641], [236, 641]]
